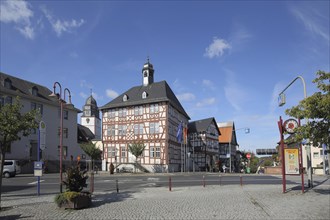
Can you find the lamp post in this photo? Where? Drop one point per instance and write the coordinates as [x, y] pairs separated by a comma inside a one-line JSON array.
[[247, 130], [62, 102], [308, 148]]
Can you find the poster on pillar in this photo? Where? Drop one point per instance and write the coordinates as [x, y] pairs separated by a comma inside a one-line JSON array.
[[291, 161]]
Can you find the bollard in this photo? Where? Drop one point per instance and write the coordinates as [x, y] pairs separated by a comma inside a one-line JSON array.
[[91, 185], [241, 180], [170, 183], [203, 181], [117, 187]]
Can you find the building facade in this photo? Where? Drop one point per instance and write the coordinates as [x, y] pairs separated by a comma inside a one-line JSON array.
[[229, 146], [203, 136], [34, 96], [148, 114]]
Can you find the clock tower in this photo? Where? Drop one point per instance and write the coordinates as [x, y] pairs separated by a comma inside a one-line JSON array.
[[91, 117], [148, 73]]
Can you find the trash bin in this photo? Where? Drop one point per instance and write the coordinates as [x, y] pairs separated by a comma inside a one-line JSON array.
[[248, 170]]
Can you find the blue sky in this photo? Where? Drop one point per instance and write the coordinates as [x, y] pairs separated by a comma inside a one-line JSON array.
[[223, 59]]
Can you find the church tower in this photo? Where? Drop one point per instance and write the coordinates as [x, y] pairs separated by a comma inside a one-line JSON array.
[[148, 73], [91, 117]]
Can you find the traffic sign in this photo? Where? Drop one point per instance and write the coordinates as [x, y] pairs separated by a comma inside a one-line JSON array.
[[248, 156]]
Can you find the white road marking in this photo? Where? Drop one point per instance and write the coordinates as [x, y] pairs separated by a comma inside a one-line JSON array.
[[35, 182]]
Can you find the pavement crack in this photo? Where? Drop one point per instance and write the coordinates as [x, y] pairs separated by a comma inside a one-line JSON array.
[[259, 205]]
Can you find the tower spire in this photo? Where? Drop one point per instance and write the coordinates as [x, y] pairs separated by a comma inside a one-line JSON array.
[[148, 73]]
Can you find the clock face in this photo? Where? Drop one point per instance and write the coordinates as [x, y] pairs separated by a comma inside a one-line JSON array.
[[290, 125]]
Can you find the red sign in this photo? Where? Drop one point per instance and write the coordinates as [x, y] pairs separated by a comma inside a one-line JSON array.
[[248, 156]]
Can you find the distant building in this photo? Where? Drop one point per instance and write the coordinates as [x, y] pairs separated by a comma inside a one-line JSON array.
[[149, 114], [90, 120], [91, 117], [203, 138], [228, 146], [34, 96]]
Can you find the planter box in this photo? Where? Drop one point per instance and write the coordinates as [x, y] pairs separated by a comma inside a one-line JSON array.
[[80, 202]]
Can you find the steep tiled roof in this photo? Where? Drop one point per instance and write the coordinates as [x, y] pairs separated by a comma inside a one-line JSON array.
[[84, 134], [23, 88], [200, 125], [155, 92], [227, 129]]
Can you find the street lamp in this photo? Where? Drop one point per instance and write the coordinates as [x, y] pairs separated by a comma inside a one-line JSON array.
[[281, 100], [62, 102], [246, 130]]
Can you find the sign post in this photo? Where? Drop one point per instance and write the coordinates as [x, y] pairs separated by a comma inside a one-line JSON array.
[[41, 146], [291, 158]]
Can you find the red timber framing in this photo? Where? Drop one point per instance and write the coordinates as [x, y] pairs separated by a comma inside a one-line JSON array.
[[151, 124]]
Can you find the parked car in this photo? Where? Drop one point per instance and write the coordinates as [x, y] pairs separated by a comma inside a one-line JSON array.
[[11, 168]]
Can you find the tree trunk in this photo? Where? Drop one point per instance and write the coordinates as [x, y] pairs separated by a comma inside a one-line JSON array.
[[2, 158]]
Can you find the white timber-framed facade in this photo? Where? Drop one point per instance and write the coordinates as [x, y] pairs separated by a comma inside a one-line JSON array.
[[148, 114]]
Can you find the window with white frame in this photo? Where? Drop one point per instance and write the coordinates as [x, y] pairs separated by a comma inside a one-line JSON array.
[[122, 112], [154, 152], [138, 129], [154, 108], [111, 131], [138, 110], [123, 151], [111, 113], [125, 98], [154, 128], [144, 95], [122, 130], [111, 150]]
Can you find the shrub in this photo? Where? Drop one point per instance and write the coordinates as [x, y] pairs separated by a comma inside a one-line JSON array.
[[63, 198], [75, 179]]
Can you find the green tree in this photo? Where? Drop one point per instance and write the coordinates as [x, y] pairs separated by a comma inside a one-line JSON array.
[[91, 150], [136, 149], [315, 108], [14, 125]]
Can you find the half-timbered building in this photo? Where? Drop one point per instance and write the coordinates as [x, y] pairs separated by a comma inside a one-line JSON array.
[[203, 138], [149, 114]]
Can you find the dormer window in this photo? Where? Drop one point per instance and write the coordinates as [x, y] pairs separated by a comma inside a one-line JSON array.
[[8, 83], [125, 98], [34, 91], [144, 95]]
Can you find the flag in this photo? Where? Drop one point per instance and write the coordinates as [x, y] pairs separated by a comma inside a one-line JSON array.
[[179, 133], [185, 135]]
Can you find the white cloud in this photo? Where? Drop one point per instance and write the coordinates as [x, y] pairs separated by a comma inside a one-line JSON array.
[[186, 97], [111, 93], [208, 83], [61, 26], [234, 93], [27, 31], [313, 20], [83, 95], [84, 84], [206, 102], [217, 48], [19, 13]]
